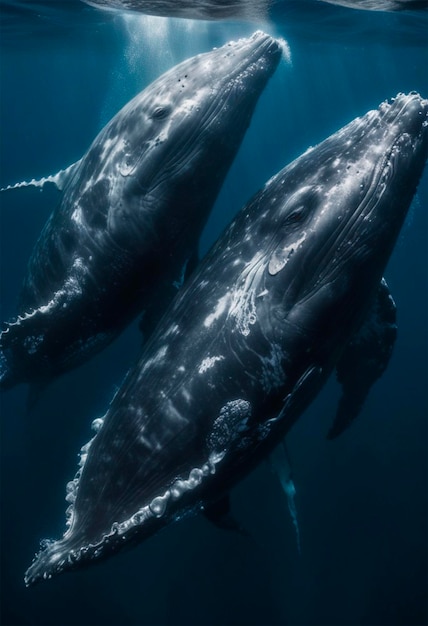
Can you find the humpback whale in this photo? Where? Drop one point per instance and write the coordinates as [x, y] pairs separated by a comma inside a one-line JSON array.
[[132, 211], [292, 290], [244, 9]]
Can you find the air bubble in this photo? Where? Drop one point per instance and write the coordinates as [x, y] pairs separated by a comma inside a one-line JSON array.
[[70, 491], [96, 424], [195, 477], [138, 518], [177, 490], [158, 505]]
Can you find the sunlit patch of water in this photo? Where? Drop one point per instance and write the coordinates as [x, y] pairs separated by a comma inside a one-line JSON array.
[[156, 43]]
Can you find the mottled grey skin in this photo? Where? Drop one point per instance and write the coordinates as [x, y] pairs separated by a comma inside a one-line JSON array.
[[251, 338], [133, 210], [243, 9]]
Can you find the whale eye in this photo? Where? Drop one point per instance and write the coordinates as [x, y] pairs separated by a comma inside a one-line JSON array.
[[300, 206], [296, 216], [160, 113]]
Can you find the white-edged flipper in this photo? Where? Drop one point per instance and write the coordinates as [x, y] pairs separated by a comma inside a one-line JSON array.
[[60, 179]]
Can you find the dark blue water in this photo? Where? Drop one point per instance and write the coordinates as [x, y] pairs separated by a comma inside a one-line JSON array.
[[362, 499]]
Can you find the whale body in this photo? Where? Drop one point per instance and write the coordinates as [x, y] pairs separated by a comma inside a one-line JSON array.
[[127, 228], [292, 290]]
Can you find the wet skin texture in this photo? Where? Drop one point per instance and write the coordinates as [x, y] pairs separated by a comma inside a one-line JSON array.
[[128, 226], [287, 294]]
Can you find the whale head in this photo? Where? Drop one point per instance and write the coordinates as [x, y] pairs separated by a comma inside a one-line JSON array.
[[136, 202], [172, 145], [336, 213]]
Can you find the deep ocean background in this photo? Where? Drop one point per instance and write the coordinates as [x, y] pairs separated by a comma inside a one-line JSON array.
[[66, 70]]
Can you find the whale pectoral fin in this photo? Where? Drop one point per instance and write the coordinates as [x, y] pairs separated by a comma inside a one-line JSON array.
[[189, 266], [218, 513], [192, 264], [60, 179], [281, 465], [365, 359], [152, 313], [306, 387], [24, 348]]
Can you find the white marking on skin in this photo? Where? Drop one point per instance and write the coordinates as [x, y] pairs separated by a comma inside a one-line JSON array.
[[172, 330], [218, 312], [186, 395], [155, 360], [146, 442], [281, 257], [243, 307], [76, 216], [106, 147], [175, 413], [114, 161], [208, 363]]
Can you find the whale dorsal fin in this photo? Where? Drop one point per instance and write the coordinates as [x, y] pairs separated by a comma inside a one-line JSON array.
[[365, 358], [60, 179]]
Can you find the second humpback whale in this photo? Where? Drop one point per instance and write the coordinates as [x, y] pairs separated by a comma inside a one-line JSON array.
[[291, 291], [133, 209]]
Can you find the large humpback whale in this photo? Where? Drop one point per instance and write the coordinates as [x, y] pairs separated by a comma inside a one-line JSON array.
[[133, 209], [292, 290]]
